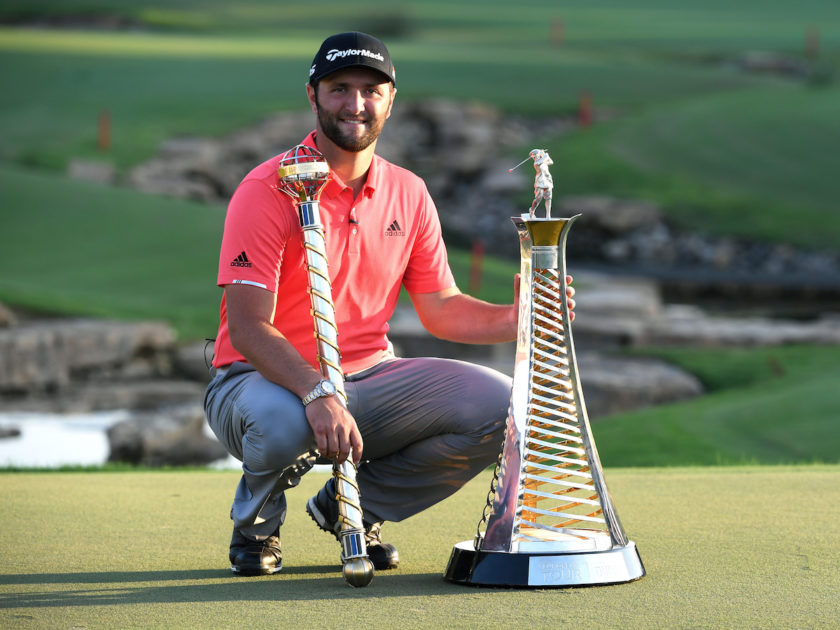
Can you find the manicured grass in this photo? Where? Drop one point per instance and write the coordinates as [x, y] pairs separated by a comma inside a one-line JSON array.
[[755, 163], [735, 368], [70, 247], [745, 141], [751, 547], [76, 248], [159, 85], [495, 280], [51, 109], [79, 248], [766, 405], [727, 151], [723, 151]]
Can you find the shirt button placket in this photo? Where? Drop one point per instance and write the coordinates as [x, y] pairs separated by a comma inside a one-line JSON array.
[[354, 232]]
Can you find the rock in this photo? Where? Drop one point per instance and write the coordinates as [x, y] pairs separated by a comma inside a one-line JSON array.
[[209, 170], [106, 395], [771, 62], [610, 215], [614, 385], [455, 146], [9, 432], [48, 355], [463, 151], [611, 312], [192, 361], [625, 296], [7, 317], [173, 437], [689, 326], [90, 171], [144, 394], [610, 384]]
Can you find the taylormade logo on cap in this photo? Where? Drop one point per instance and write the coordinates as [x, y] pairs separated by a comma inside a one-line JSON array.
[[349, 50], [334, 54]]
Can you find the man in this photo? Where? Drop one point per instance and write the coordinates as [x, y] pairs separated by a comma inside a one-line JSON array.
[[418, 429]]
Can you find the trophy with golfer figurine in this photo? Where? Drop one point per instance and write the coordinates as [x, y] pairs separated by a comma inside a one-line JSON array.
[[303, 173], [549, 520]]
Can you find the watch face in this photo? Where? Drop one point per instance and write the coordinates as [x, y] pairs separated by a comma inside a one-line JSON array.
[[328, 388]]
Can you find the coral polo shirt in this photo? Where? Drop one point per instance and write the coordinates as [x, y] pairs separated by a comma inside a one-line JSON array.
[[387, 237]]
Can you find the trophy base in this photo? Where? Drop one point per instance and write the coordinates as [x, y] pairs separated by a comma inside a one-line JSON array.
[[532, 569]]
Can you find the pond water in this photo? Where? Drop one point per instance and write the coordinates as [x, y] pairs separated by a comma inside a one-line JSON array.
[[54, 440]]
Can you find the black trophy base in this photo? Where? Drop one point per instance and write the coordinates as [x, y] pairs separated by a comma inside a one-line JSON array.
[[543, 570]]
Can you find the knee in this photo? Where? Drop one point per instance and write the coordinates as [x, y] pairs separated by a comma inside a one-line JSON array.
[[491, 403], [275, 438], [486, 418], [490, 441], [486, 442]]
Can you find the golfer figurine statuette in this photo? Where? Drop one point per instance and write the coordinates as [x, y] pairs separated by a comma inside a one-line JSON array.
[[303, 173], [549, 520], [543, 183]]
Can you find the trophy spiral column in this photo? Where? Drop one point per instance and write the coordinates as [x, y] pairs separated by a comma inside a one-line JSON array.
[[303, 172], [549, 519]]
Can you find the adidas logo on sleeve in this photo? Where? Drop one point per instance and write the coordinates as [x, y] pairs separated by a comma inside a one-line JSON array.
[[241, 261]]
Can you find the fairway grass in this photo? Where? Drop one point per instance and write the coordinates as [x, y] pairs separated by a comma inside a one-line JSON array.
[[81, 249], [745, 547], [775, 405]]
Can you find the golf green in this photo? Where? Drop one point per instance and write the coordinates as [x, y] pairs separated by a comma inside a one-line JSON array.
[[736, 547]]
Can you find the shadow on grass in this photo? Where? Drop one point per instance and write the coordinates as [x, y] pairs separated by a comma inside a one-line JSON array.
[[115, 588], [122, 577]]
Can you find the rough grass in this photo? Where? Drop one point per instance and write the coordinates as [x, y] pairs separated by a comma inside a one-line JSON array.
[[747, 547]]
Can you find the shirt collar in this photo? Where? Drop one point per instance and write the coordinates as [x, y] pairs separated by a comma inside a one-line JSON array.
[[335, 186]]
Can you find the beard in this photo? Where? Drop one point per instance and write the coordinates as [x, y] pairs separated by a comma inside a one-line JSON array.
[[330, 126]]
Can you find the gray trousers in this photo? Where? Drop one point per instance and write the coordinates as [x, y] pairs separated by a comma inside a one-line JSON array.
[[428, 425]]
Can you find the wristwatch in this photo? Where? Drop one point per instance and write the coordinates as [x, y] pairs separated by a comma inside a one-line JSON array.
[[323, 388]]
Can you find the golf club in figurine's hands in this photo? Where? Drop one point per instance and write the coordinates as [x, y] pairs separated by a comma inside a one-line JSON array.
[[543, 183], [303, 173], [549, 520]]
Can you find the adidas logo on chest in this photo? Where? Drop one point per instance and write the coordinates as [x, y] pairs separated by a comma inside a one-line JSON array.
[[394, 229]]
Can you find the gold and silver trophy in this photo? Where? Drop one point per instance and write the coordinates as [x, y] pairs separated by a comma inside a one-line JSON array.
[[549, 520], [303, 173]]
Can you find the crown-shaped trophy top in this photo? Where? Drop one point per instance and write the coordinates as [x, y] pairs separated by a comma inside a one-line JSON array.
[[303, 172]]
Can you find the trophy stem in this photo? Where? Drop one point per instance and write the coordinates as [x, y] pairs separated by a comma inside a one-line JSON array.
[[357, 568], [303, 175], [550, 520]]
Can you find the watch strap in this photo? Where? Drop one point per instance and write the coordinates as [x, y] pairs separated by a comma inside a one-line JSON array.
[[317, 392]]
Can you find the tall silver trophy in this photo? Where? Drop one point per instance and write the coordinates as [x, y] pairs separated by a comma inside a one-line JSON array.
[[549, 519], [303, 173]]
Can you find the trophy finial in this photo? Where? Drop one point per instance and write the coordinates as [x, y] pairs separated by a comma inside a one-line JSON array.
[[543, 183], [303, 172]]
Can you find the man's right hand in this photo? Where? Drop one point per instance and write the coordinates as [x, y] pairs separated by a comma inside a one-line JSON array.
[[335, 430], [250, 321]]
